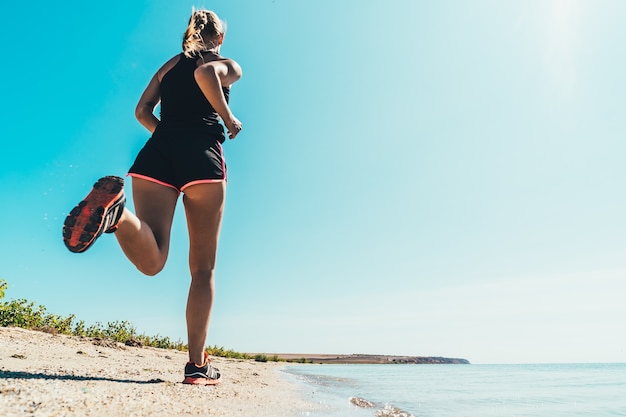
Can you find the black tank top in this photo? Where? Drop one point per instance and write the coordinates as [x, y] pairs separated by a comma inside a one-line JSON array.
[[182, 102]]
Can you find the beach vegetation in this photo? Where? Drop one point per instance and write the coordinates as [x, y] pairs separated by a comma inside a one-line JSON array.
[[226, 353], [3, 286], [25, 314]]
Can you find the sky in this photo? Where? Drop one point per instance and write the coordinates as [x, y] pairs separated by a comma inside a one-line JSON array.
[[413, 177]]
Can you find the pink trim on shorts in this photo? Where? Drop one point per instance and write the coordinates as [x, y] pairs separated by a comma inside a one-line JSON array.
[[145, 177], [223, 159], [189, 184]]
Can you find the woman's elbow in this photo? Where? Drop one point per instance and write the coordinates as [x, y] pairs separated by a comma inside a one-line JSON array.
[[235, 72], [238, 71], [140, 112]]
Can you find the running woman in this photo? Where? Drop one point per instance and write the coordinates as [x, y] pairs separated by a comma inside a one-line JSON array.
[[183, 155]]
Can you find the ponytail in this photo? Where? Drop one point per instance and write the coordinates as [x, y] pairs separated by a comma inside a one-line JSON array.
[[203, 32]]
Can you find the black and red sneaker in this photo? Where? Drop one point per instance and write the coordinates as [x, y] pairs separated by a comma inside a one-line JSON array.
[[202, 375], [98, 213]]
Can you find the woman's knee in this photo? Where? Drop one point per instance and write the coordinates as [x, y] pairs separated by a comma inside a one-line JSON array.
[[202, 274], [151, 268]]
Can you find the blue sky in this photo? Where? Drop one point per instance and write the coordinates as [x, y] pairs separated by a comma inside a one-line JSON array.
[[413, 177]]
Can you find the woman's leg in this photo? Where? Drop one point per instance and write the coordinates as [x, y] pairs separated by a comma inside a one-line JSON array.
[[204, 205], [145, 237]]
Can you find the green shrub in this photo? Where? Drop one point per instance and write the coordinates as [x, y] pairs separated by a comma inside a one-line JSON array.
[[226, 353], [3, 287], [260, 358], [79, 329], [23, 313]]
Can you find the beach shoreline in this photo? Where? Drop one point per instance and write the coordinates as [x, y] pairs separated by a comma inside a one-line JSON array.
[[42, 374]]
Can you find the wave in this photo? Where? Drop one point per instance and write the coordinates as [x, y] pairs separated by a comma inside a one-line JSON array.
[[387, 411]]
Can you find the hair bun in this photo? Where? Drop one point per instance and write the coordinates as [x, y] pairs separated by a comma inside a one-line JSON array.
[[202, 32]]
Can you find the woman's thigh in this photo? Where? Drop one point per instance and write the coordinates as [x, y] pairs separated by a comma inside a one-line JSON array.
[[204, 206], [155, 205]]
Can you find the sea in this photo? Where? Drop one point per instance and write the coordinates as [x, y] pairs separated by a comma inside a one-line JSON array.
[[543, 390]]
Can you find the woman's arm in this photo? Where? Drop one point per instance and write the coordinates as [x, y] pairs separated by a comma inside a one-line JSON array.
[[210, 78], [144, 112]]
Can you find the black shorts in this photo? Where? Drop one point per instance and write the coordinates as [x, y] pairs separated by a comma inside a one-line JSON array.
[[181, 157]]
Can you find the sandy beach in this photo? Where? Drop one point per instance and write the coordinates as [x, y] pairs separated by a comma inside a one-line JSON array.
[[55, 375]]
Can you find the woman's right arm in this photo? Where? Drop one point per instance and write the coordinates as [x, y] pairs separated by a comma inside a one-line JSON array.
[[144, 112]]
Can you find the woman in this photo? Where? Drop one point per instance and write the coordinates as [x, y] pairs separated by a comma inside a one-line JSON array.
[[184, 155]]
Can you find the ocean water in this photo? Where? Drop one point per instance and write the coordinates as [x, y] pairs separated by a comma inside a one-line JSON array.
[[563, 390]]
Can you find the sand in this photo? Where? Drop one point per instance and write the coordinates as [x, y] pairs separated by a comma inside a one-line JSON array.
[[55, 375]]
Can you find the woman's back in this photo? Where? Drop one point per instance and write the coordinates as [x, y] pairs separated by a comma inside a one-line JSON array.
[[182, 101]]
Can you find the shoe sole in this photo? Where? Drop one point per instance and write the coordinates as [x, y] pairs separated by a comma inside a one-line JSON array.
[[201, 381], [85, 222]]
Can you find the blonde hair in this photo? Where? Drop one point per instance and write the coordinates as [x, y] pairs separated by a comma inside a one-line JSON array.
[[203, 32]]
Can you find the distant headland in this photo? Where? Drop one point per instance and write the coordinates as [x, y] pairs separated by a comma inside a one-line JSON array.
[[367, 359]]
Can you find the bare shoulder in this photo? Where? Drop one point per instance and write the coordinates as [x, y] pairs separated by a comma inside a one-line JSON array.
[[233, 66], [167, 66], [228, 69]]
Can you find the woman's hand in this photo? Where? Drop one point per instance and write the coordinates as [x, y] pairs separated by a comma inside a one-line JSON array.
[[234, 126]]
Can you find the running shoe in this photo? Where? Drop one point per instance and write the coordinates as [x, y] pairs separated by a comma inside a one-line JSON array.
[[202, 375], [98, 213]]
